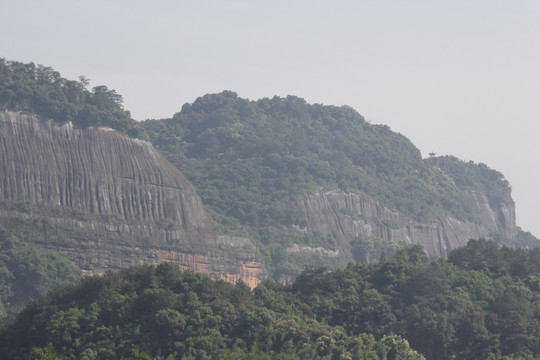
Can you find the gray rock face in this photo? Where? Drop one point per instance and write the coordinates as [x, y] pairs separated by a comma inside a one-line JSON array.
[[108, 202], [95, 170], [122, 191], [328, 212]]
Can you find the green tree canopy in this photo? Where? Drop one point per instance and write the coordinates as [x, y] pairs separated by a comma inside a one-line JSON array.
[[443, 309], [41, 90]]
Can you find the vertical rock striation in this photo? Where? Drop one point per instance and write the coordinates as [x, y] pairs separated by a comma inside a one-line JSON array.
[[328, 213], [137, 206], [95, 170]]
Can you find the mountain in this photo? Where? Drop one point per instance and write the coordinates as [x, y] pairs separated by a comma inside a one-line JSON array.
[[283, 184], [108, 201], [319, 185], [78, 178]]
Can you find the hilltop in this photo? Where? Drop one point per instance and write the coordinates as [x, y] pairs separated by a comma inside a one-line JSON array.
[[309, 180], [239, 189]]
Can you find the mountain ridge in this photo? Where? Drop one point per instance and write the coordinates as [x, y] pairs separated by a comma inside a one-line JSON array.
[[256, 165]]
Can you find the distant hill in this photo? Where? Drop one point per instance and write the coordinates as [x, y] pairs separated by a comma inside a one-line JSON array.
[[308, 179], [267, 151], [291, 191], [285, 184]]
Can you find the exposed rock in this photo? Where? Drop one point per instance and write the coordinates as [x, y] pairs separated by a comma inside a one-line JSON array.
[[108, 202], [299, 249], [499, 218], [129, 203], [329, 213]]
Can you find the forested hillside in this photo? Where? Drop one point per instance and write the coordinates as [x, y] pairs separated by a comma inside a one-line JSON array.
[[245, 157], [26, 273], [481, 303], [250, 160], [41, 90], [479, 176], [259, 167]]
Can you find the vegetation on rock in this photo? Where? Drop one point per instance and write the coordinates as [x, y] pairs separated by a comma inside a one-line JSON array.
[[249, 159], [476, 176], [41, 90]]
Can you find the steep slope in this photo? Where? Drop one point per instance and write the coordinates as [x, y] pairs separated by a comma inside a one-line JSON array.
[[108, 201], [346, 217], [311, 182]]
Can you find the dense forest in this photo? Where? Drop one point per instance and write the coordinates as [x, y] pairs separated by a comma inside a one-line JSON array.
[[27, 273], [481, 303], [249, 159], [41, 90]]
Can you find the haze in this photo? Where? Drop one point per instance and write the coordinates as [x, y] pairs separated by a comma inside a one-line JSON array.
[[459, 78]]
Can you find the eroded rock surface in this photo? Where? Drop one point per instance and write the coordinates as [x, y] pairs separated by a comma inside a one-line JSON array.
[[328, 213], [129, 204]]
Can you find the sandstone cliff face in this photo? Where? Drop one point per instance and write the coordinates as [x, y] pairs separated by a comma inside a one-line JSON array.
[[326, 213], [137, 206], [109, 202]]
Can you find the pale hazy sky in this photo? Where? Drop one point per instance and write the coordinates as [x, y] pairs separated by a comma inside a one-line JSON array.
[[458, 77]]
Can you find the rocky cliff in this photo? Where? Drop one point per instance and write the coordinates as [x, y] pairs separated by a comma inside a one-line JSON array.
[[345, 217], [108, 201], [115, 200]]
